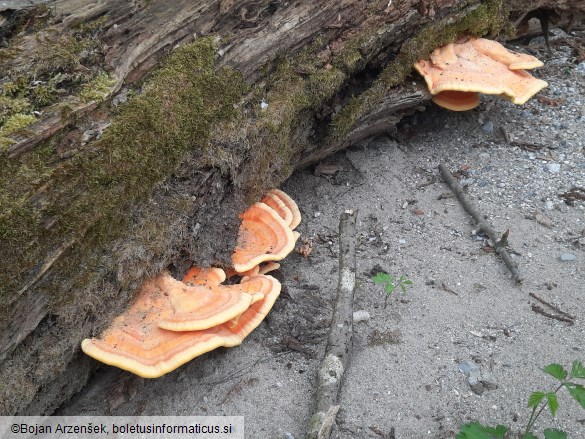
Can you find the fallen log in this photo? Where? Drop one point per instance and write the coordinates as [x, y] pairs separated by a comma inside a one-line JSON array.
[[116, 164]]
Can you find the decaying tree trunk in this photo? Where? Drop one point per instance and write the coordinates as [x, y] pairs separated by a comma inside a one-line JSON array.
[[132, 164]]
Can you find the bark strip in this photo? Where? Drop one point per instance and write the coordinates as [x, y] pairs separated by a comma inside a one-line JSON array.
[[340, 339]]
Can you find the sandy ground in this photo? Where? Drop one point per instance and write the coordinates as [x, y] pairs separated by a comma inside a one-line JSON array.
[[463, 310]]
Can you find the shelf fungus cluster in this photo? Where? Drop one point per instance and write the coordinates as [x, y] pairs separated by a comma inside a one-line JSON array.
[[456, 73], [171, 322]]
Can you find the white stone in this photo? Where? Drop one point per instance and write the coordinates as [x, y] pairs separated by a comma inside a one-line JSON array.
[[361, 315]]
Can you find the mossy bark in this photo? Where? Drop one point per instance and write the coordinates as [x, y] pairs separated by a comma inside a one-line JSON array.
[[148, 139]]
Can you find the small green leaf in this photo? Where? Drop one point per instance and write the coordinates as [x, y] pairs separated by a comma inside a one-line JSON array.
[[553, 403], [382, 278], [578, 371], [553, 433], [556, 370], [474, 430], [403, 283], [389, 288], [535, 399], [577, 391], [529, 436]]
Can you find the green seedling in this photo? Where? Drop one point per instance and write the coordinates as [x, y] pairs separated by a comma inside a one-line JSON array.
[[538, 401], [390, 284]]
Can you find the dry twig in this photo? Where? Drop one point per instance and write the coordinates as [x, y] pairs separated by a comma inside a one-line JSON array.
[[499, 243], [551, 306], [340, 339], [539, 310]]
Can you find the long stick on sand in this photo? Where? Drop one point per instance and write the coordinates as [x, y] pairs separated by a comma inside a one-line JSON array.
[[499, 244], [340, 339]]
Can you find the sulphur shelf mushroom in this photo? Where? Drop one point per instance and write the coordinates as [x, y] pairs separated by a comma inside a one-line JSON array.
[[136, 343], [204, 276], [272, 200], [195, 307], [457, 72], [291, 205], [172, 322], [263, 236]]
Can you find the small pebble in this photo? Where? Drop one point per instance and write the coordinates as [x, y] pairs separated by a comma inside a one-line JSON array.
[[567, 257], [466, 367], [402, 241], [361, 316], [553, 168], [288, 435], [488, 127]]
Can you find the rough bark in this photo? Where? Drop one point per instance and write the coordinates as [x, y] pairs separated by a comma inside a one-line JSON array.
[[332, 73]]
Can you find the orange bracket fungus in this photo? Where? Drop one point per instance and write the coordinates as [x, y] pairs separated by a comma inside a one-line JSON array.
[[204, 276], [456, 73], [273, 201], [136, 343], [194, 307], [263, 236], [172, 322], [268, 267], [292, 206]]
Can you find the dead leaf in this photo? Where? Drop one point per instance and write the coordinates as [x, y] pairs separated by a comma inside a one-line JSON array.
[[549, 101], [306, 247], [575, 194], [337, 46], [543, 220], [325, 55], [327, 169], [446, 195]]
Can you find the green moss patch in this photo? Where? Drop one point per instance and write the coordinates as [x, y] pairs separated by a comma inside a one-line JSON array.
[[187, 108], [61, 63], [487, 19], [98, 88], [173, 116], [15, 124], [298, 86]]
